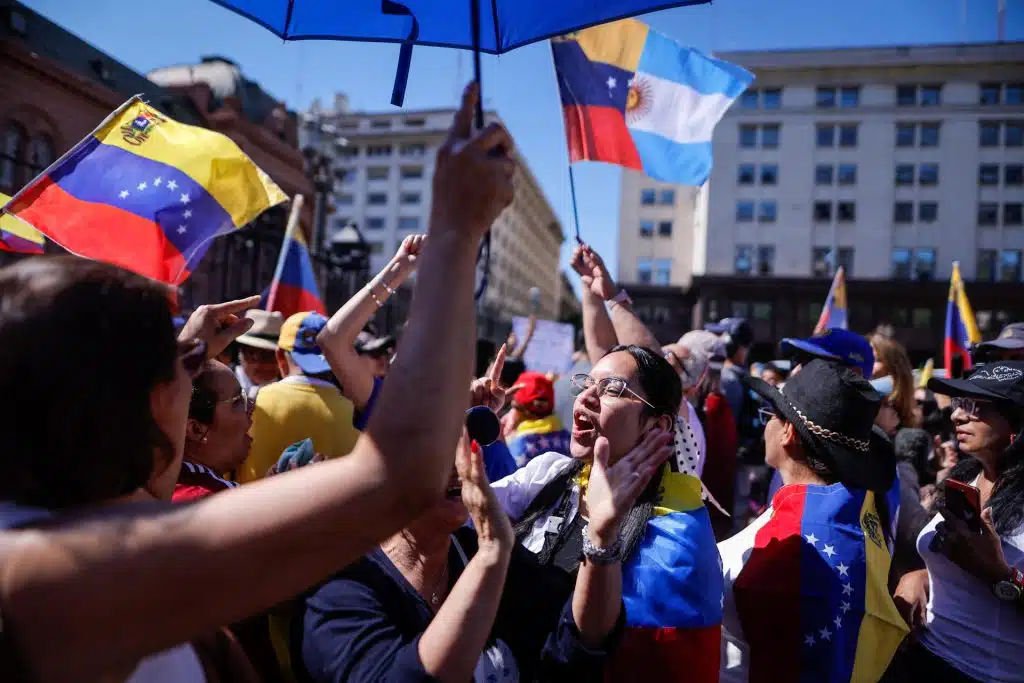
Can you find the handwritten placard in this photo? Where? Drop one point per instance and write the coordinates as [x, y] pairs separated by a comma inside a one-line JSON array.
[[551, 348]]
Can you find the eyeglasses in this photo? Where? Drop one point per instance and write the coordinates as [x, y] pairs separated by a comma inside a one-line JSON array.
[[765, 414], [609, 386], [239, 401], [192, 353], [974, 408]]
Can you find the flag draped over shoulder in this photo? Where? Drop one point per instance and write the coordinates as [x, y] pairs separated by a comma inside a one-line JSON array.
[[961, 329], [534, 437], [672, 588], [812, 594], [834, 313], [19, 236], [633, 97], [146, 193], [296, 290]]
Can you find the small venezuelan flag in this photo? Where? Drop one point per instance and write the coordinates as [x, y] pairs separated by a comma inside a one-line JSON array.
[[961, 329], [672, 588], [294, 289], [146, 193], [536, 437], [633, 97], [812, 593], [833, 315], [17, 235]]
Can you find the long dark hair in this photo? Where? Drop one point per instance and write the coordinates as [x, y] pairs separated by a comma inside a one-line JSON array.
[[1007, 500], [83, 345], [664, 391], [203, 403]]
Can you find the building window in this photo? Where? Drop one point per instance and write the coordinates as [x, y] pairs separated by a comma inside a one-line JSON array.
[[771, 98], [664, 228], [744, 263], [1013, 174], [988, 134], [769, 174], [849, 96], [748, 100], [990, 93], [930, 95], [376, 247], [1009, 265], [417, 149], [924, 264], [822, 212], [377, 173], [986, 270], [821, 262], [825, 98], [644, 270], [847, 174], [846, 212], [929, 135], [409, 224], [748, 136], [921, 318], [376, 199], [766, 212], [662, 271], [415, 122], [826, 135], [906, 95], [10, 154], [410, 198], [1012, 213], [846, 260], [770, 135], [928, 212], [765, 260], [848, 135], [647, 228], [904, 174], [744, 211], [378, 150], [903, 212], [928, 174], [761, 310], [988, 174], [1013, 93], [374, 223], [823, 174], [346, 199], [740, 309], [648, 197], [901, 263], [667, 198], [1014, 134], [745, 174], [412, 172], [380, 124], [906, 134], [38, 155], [349, 151], [988, 213]]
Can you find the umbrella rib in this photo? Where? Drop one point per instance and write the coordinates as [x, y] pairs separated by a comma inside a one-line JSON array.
[[497, 33], [288, 18]]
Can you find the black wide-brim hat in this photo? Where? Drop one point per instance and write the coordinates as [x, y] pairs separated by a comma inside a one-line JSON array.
[[833, 410]]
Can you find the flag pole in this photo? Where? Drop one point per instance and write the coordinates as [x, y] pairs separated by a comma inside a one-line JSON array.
[[289, 235], [474, 17]]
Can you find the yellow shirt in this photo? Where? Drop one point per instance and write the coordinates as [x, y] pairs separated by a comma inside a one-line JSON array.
[[294, 409]]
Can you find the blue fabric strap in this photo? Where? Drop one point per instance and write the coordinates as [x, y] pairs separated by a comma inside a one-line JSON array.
[[405, 54]]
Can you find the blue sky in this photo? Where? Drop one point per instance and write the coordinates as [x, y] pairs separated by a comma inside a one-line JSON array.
[[520, 85]]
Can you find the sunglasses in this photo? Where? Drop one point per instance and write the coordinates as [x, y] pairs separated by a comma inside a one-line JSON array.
[[974, 408], [609, 386], [192, 353]]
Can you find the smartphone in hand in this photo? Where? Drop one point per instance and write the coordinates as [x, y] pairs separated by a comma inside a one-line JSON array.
[[964, 501]]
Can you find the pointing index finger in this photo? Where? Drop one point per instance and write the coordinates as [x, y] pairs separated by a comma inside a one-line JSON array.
[[494, 372], [236, 306]]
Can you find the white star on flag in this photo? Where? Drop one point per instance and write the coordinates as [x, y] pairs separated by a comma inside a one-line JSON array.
[[172, 186], [543, 442], [843, 569], [182, 229], [808, 640], [845, 607], [829, 550], [812, 539], [124, 194], [612, 83], [185, 199], [157, 182], [847, 589], [188, 213], [141, 187], [838, 621], [825, 634]]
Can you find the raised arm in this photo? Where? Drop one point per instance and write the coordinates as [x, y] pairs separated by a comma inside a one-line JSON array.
[[598, 333], [626, 326], [111, 591]]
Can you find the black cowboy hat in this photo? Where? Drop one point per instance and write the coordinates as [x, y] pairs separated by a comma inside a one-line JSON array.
[[833, 410]]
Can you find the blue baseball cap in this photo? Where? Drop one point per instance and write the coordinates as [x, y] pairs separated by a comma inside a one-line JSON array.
[[298, 337], [849, 348]]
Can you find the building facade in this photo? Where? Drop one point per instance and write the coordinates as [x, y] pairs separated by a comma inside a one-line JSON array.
[[892, 162], [383, 166]]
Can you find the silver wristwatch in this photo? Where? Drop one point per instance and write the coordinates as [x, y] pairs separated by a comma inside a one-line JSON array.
[[609, 555]]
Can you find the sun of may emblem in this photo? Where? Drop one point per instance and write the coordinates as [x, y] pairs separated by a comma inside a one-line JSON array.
[[639, 99]]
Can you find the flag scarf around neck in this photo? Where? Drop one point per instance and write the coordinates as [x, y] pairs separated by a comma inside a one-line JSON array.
[[834, 313], [19, 236], [146, 193], [672, 588], [961, 329], [812, 595], [297, 289], [534, 437], [633, 97]]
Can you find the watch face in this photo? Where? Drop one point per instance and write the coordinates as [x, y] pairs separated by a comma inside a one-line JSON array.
[[1005, 590]]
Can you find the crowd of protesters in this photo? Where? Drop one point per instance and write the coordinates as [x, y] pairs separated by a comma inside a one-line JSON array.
[[259, 498]]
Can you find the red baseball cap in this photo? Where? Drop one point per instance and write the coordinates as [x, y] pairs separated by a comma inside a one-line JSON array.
[[536, 393]]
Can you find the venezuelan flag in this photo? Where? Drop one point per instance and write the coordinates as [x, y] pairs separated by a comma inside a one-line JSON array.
[[834, 313], [18, 236], [294, 289], [534, 437], [812, 593], [146, 193], [961, 329], [635, 98], [672, 588]]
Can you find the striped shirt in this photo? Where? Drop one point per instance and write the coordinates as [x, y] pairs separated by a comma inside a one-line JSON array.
[[196, 481]]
